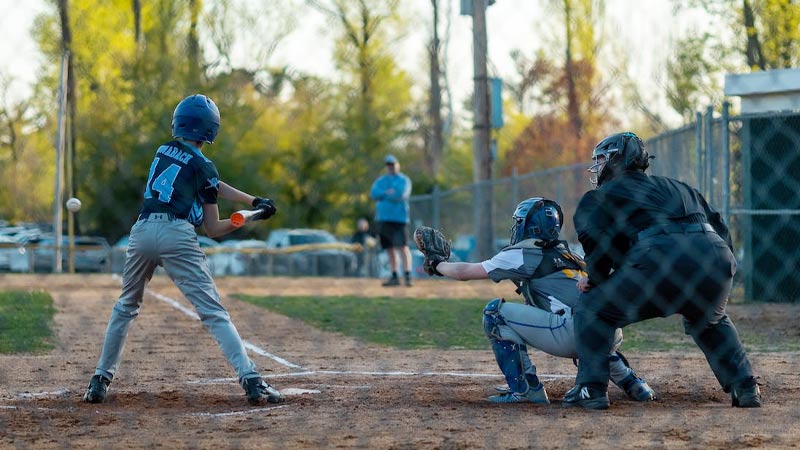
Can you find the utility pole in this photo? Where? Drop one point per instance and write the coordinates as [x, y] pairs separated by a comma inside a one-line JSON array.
[[482, 158], [59, 147]]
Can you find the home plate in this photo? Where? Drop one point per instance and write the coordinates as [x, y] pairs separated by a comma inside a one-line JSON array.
[[297, 391]]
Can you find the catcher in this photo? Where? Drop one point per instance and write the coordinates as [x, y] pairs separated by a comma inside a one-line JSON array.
[[545, 272]]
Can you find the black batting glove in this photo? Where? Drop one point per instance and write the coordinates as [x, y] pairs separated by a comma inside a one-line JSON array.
[[267, 207]]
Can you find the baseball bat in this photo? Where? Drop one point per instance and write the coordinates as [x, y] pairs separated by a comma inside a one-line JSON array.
[[243, 216]]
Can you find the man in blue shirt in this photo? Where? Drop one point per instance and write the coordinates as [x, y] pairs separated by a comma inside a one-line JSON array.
[[391, 192]]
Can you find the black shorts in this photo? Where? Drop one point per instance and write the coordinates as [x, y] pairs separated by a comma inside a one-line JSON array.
[[392, 234]]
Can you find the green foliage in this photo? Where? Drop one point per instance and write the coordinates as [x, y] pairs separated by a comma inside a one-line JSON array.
[[692, 75], [284, 134], [399, 322], [25, 322]]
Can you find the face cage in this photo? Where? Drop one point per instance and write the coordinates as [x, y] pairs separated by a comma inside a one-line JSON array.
[[597, 168]]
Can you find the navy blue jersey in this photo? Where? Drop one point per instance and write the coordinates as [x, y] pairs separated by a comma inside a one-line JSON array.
[[181, 180]]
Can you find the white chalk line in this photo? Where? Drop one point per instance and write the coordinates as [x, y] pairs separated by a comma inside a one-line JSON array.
[[32, 395], [248, 345], [545, 377], [298, 391], [237, 413]]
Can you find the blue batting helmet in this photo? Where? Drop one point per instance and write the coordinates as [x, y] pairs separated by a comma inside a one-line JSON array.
[[196, 118], [537, 218]]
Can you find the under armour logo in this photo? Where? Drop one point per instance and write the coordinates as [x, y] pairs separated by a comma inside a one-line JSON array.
[[559, 263]]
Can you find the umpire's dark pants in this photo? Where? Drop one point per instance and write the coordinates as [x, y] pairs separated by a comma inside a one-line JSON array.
[[688, 274]]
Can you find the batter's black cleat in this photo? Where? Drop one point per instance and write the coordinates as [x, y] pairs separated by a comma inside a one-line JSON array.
[[258, 391], [97, 390], [586, 397], [746, 395]]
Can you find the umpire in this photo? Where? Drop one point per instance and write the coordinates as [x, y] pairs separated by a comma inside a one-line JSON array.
[[653, 248]]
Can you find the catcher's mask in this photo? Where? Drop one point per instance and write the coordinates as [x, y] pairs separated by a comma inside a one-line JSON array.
[[537, 218], [615, 154], [196, 118]]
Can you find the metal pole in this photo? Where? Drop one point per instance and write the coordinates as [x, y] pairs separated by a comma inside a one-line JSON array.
[[482, 164], [514, 186], [710, 160], [698, 148], [726, 164], [437, 209], [60, 137]]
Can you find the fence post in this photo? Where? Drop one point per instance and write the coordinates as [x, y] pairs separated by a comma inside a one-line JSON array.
[[709, 159], [698, 147], [514, 186], [436, 200], [726, 165]]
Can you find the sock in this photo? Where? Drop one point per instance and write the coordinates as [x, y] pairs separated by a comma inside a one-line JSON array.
[[394, 274], [408, 275]]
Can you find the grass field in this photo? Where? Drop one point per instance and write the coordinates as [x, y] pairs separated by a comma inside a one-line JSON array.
[[412, 323], [25, 322]]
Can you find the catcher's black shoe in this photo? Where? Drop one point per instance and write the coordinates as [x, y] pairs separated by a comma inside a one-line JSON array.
[[586, 397], [746, 395], [97, 390], [258, 391]]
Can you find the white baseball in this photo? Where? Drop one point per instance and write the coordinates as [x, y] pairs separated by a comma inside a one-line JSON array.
[[73, 205]]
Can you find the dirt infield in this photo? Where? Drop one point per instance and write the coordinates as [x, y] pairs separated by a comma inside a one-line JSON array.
[[175, 390]]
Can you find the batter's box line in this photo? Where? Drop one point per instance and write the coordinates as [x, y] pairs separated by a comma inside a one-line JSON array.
[[249, 345], [237, 413], [545, 377]]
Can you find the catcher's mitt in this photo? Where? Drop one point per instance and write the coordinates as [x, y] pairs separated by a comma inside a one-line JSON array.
[[436, 248]]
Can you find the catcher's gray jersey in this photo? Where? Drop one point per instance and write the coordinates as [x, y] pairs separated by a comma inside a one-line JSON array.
[[546, 276], [547, 279]]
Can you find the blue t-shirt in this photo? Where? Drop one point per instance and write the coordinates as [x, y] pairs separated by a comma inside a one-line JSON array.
[[181, 180], [392, 192]]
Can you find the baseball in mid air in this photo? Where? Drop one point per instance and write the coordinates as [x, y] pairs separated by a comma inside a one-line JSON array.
[[73, 205]]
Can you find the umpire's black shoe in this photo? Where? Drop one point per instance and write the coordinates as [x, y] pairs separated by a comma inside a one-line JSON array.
[[746, 395], [586, 397], [258, 391], [97, 390]]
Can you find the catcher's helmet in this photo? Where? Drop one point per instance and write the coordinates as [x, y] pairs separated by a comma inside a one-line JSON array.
[[196, 118], [621, 152], [537, 218]]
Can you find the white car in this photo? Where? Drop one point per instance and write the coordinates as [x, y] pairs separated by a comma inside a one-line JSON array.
[[239, 257], [316, 253], [13, 255]]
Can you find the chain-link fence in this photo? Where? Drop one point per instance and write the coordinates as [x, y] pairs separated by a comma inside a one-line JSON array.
[[747, 167]]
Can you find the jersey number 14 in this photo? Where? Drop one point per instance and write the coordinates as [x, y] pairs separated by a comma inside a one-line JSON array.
[[162, 183]]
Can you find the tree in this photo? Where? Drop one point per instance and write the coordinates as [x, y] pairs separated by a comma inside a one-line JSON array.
[[568, 100], [766, 35], [376, 93]]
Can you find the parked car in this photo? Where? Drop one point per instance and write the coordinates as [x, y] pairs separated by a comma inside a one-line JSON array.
[[239, 257], [317, 252], [92, 253], [13, 256]]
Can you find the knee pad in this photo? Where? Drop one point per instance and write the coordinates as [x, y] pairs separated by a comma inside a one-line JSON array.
[[492, 318]]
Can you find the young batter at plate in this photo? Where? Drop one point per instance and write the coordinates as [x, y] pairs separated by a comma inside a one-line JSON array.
[[545, 272], [180, 194]]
